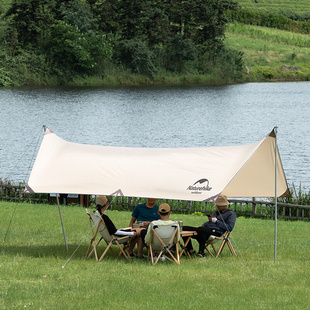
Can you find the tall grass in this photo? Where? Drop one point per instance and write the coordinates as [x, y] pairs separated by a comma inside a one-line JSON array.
[[299, 196], [270, 34], [32, 256], [267, 50], [292, 7]]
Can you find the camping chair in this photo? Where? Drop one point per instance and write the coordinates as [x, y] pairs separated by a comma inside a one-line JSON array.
[[225, 240], [162, 239], [95, 220]]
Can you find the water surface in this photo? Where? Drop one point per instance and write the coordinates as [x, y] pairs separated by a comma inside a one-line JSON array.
[[157, 117]]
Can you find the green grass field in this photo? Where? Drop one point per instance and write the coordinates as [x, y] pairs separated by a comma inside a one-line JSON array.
[[299, 7], [270, 49], [32, 256]]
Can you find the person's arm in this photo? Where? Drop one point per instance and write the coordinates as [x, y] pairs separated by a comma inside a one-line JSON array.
[[133, 219], [134, 215], [226, 222], [231, 220]]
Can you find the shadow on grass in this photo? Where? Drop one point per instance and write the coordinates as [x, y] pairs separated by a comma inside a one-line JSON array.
[[57, 251]]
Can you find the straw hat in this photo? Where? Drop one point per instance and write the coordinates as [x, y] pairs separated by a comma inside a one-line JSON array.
[[101, 200], [222, 201]]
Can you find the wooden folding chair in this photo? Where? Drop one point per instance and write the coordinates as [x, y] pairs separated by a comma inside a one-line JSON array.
[[162, 239], [225, 240], [97, 224]]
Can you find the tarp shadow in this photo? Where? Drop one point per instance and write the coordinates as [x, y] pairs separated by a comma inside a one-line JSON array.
[[51, 250]]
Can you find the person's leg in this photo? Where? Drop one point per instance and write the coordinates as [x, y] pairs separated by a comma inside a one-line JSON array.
[[141, 242], [135, 240], [203, 234], [132, 245], [189, 246]]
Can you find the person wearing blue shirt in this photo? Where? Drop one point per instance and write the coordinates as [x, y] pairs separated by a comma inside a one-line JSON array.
[[145, 212]]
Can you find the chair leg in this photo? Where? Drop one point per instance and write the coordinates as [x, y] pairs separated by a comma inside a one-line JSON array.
[[121, 249], [110, 248], [231, 248], [222, 247], [207, 248], [94, 249], [105, 251], [152, 254]]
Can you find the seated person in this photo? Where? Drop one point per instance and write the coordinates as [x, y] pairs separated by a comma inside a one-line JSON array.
[[219, 222], [145, 212], [164, 212], [102, 204]]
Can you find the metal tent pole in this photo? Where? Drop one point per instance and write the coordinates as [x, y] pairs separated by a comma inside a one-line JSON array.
[[62, 224], [275, 194]]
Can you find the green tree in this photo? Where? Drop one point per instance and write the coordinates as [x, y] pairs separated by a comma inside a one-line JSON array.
[[71, 50], [202, 21], [78, 13], [106, 13], [30, 20], [178, 51]]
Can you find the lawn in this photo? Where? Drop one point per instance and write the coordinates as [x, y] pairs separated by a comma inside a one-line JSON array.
[[33, 255]]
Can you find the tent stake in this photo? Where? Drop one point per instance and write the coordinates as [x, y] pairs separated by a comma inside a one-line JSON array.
[[276, 200], [62, 224]]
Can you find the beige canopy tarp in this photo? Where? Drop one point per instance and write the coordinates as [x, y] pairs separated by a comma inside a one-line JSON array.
[[197, 174]]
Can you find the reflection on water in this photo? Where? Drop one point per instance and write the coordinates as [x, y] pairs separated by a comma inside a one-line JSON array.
[[157, 117]]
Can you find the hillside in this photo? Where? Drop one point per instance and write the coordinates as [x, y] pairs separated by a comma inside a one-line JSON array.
[[289, 8], [89, 48], [267, 50]]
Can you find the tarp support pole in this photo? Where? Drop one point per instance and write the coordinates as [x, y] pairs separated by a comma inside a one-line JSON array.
[[62, 224], [275, 194]]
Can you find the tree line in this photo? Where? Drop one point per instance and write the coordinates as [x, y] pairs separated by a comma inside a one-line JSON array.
[[66, 38]]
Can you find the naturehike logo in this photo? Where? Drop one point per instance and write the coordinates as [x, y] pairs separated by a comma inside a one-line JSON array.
[[197, 189]]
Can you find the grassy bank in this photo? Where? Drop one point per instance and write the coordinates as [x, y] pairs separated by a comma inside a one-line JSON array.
[[33, 254], [292, 7], [267, 50]]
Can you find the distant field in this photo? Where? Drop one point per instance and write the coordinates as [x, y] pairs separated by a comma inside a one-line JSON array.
[[298, 7], [271, 48]]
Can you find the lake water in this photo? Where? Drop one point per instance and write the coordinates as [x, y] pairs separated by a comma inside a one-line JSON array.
[[157, 117]]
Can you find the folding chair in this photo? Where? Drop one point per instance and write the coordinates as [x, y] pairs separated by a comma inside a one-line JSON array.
[[162, 239], [225, 240], [96, 221]]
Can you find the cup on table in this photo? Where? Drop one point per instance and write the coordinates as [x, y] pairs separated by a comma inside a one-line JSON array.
[[181, 225]]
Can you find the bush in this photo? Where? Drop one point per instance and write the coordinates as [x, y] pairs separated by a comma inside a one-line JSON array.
[[178, 52], [73, 51], [5, 79], [227, 62], [135, 55]]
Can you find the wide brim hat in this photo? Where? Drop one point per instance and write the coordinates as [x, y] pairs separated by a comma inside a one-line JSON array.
[[222, 201], [101, 200]]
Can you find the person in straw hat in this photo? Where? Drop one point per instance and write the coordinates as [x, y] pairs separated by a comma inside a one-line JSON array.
[[221, 220], [102, 205]]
